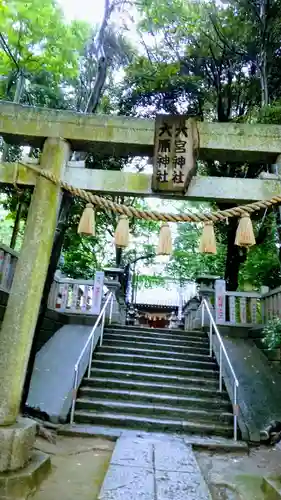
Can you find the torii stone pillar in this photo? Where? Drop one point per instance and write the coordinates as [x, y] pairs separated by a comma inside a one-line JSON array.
[[23, 305]]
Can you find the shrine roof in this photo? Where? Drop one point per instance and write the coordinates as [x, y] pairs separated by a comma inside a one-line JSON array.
[[164, 296]]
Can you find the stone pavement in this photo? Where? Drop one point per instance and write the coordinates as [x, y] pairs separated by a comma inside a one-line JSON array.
[[148, 467]]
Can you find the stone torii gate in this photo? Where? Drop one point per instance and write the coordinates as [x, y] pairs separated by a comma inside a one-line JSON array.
[[59, 132]]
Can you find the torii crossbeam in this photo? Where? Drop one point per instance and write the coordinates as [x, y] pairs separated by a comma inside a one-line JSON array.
[[130, 136]]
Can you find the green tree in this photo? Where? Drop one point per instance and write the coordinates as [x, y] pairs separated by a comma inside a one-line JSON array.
[[201, 60], [187, 262], [83, 255], [36, 41]]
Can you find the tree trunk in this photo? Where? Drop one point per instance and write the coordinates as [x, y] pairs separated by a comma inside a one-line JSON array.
[[263, 53], [234, 258], [118, 256], [264, 79], [16, 225], [17, 98], [66, 204]]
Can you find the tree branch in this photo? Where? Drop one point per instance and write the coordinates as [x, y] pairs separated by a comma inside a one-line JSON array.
[[102, 60]]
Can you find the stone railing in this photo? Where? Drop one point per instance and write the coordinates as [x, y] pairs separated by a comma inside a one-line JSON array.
[[75, 296], [236, 308], [242, 308], [232, 308], [271, 304], [72, 295], [8, 262]]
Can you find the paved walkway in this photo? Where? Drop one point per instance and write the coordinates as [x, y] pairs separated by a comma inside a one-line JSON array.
[[147, 467]]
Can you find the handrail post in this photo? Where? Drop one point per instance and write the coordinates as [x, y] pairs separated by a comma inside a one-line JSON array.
[[220, 363], [90, 357], [222, 352], [235, 411], [74, 394], [211, 338], [102, 328], [90, 341], [202, 314], [111, 309]]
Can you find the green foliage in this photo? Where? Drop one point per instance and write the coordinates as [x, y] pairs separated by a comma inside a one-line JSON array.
[[199, 58], [262, 266], [186, 262], [83, 255], [40, 39], [204, 59], [39, 53], [270, 114], [6, 225], [150, 281], [196, 59], [272, 333]]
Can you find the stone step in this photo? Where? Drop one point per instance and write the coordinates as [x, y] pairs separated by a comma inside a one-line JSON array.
[[166, 331], [206, 363], [212, 444], [154, 352], [183, 401], [141, 377], [192, 342], [159, 410], [155, 367], [157, 336], [193, 387], [162, 346], [153, 423]]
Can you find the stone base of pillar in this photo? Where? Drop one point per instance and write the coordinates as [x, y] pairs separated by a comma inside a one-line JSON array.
[[16, 444], [21, 470], [21, 484]]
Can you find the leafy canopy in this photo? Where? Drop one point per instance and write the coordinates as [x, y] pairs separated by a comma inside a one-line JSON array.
[[39, 40]]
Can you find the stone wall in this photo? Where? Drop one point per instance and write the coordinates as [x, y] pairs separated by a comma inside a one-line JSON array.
[[274, 355], [51, 323]]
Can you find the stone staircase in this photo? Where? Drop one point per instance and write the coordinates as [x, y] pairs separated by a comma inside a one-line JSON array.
[[156, 380]]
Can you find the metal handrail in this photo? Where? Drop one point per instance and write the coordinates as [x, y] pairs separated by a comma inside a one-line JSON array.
[[222, 351], [90, 339]]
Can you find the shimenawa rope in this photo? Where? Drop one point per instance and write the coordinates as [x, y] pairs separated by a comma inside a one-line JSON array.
[[106, 204]]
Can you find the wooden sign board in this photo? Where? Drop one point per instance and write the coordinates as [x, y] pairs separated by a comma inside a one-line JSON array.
[[175, 143]]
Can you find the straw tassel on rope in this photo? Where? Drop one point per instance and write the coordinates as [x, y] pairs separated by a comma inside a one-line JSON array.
[[208, 239], [87, 221], [165, 246], [122, 233], [245, 234]]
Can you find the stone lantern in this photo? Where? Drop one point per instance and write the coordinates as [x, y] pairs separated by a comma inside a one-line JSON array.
[[113, 278], [206, 290], [173, 321], [137, 318], [131, 315], [190, 311], [206, 285]]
